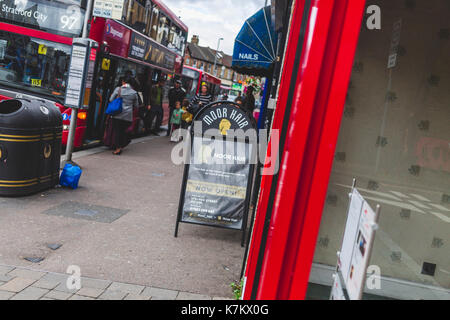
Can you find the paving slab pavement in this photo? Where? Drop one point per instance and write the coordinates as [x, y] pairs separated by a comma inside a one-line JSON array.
[[135, 245], [54, 286]]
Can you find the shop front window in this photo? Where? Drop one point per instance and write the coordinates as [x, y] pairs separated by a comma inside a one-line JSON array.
[[34, 65], [395, 141]]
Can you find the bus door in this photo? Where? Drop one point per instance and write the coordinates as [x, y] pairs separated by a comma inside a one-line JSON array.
[[102, 88]]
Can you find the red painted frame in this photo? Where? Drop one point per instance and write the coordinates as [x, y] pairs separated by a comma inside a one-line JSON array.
[[295, 148], [317, 106], [267, 180]]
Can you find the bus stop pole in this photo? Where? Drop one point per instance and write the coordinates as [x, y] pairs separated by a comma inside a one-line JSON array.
[[74, 114]]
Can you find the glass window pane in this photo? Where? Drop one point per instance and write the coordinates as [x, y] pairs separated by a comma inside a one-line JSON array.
[[136, 17], [33, 65], [394, 139], [163, 30]]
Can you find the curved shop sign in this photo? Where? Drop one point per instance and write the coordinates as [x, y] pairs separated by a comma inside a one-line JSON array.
[[224, 117]]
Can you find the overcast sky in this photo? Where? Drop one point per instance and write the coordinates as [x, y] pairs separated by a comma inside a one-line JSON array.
[[214, 19]]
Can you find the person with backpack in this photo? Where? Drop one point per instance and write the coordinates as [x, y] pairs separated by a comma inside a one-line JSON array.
[[121, 121]]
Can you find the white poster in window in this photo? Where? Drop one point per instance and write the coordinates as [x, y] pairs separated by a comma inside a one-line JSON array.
[[351, 229], [362, 248], [337, 292]]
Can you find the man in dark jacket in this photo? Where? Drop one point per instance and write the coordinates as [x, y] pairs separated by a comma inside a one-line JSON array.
[[249, 101], [155, 108], [176, 93]]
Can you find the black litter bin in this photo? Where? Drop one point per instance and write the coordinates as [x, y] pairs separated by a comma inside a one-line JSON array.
[[30, 146]]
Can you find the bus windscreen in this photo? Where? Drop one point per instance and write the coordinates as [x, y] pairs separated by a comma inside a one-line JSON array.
[[33, 65], [194, 75]]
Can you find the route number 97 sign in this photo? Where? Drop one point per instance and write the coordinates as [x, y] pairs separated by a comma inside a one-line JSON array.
[[72, 20], [44, 15]]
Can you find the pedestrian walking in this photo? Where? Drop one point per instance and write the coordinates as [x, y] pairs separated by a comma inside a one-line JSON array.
[[200, 100], [176, 93], [123, 120], [154, 106], [248, 104]]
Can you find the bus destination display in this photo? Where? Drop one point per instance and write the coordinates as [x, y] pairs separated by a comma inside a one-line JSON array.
[[44, 15]]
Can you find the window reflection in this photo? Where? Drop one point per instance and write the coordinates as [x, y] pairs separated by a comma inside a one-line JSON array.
[[136, 17], [154, 23], [163, 30]]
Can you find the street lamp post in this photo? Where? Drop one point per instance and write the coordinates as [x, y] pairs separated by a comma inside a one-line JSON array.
[[215, 56]]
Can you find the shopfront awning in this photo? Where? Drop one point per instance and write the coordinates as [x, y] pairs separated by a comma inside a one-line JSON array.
[[255, 45]]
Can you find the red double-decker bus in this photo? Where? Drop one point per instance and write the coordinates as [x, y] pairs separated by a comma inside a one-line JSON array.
[[148, 43], [193, 79]]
